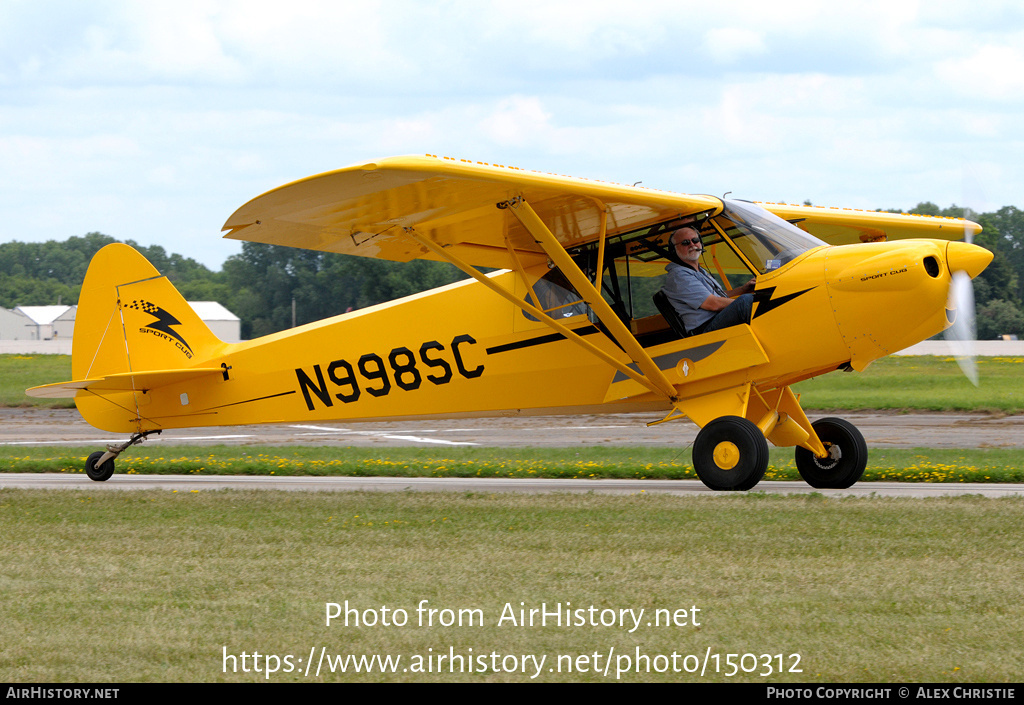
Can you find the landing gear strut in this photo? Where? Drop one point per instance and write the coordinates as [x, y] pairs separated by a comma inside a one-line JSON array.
[[99, 466], [847, 456]]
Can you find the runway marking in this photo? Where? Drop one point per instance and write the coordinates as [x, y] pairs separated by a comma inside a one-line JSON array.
[[386, 434], [201, 438], [616, 426], [92, 441], [426, 440], [324, 431], [320, 428], [65, 443]]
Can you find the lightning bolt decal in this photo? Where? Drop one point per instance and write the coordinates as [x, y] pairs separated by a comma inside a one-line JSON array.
[[164, 320], [765, 302]]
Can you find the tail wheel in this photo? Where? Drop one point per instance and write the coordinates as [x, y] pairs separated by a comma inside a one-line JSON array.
[[847, 456], [101, 473], [730, 453]]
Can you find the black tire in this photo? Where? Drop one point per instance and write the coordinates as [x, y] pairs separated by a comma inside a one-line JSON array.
[[849, 456], [103, 472], [730, 454]]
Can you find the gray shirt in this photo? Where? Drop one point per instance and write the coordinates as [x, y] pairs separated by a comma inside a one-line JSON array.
[[686, 289]]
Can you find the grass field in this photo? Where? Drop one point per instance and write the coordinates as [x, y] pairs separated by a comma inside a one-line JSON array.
[[175, 586], [920, 382], [888, 464], [157, 586], [925, 382], [19, 372]]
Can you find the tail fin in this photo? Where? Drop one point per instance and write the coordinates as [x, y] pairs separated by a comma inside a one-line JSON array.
[[133, 332], [132, 319]]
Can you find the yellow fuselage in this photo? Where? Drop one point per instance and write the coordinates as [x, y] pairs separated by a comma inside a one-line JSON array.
[[463, 351]]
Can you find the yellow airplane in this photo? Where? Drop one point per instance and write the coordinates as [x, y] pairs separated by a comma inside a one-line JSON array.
[[567, 324]]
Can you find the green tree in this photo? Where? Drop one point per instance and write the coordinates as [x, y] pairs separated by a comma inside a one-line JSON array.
[[265, 279], [1004, 234], [22, 290], [999, 317]]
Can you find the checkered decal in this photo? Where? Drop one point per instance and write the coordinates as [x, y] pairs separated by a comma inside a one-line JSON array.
[[145, 307], [163, 322]]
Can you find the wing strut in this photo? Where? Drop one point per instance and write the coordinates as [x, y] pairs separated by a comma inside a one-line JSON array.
[[532, 222], [600, 246], [537, 313]]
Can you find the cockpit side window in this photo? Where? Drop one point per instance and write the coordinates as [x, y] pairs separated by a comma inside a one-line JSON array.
[[558, 298], [634, 269], [766, 241]]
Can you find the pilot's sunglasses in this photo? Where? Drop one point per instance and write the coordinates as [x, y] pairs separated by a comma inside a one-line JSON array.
[[691, 241]]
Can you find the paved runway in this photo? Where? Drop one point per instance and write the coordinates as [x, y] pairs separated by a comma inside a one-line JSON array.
[[912, 430], [35, 427], [188, 483]]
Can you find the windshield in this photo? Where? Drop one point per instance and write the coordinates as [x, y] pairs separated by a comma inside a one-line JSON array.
[[766, 240]]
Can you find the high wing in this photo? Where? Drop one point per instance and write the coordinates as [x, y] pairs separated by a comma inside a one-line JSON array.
[[846, 226], [365, 209]]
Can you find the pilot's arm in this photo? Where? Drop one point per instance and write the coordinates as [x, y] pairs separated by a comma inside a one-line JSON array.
[[717, 303]]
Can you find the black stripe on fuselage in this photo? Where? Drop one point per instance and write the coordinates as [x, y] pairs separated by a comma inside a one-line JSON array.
[[247, 401], [540, 340]]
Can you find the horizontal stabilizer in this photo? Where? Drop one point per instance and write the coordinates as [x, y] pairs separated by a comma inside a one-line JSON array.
[[121, 382]]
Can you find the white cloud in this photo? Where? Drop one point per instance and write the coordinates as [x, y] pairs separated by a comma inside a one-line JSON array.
[[518, 120], [727, 44], [992, 73], [155, 120]]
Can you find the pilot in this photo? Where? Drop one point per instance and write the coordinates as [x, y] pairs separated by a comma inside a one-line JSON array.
[[696, 296]]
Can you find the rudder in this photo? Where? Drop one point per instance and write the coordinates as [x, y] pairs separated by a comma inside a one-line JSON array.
[[131, 319]]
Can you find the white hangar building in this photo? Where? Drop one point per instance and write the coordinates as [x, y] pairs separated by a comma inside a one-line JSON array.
[[58, 322]]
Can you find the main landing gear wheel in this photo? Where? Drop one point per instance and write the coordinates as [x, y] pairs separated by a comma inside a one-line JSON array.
[[101, 473], [730, 453], [848, 456]]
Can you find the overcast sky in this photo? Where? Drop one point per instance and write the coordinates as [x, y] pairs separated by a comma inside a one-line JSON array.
[[154, 121]]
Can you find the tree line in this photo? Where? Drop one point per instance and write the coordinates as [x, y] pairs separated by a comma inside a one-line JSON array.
[[260, 284]]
